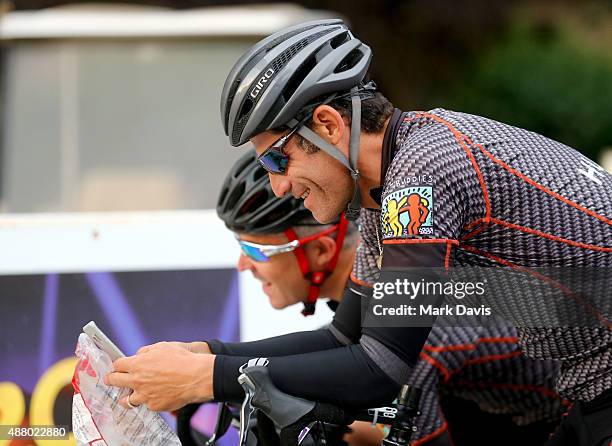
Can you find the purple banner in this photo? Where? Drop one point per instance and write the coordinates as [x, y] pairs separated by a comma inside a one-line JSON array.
[[41, 317]]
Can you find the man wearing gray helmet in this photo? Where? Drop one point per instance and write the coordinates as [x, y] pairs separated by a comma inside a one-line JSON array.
[[454, 190], [283, 247], [488, 193], [481, 365]]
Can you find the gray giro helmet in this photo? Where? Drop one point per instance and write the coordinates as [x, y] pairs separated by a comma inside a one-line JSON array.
[[247, 204], [283, 74], [277, 77]]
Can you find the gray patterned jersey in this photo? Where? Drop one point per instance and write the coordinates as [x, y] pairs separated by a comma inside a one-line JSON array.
[[481, 364], [500, 195]]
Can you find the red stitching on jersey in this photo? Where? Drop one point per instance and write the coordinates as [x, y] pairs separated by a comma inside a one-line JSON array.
[[449, 348], [458, 136], [541, 187], [483, 359], [514, 266], [447, 257], [474, 223], [471, 346], [399, 241], [436, 364], [550, 236], [500, 340], [475, 231], [360, 282], [488, 255], [544, 278], [516, 387], [431, 436]]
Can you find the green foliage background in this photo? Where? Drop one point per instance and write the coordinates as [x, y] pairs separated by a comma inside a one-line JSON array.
[[542, 80]]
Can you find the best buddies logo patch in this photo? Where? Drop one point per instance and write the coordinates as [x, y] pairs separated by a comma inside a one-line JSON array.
[[408, 212]]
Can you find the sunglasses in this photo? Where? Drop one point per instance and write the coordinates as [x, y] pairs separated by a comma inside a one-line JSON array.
[[274, 159], [262, 253]]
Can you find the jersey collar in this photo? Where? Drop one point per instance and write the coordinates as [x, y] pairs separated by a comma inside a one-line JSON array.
[[388, 152]]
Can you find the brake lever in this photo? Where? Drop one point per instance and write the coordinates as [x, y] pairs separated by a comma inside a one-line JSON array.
[[246, 409]]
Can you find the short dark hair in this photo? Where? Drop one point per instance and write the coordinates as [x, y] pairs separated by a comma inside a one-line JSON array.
[[375, 110]]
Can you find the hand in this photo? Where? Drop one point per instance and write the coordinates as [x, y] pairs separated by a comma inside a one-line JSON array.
[[199, 347], [164, 377], [364, 434]]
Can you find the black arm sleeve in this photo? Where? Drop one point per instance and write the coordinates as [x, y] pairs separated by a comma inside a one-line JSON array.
[[290, 344], [344, 376], [347, 320], [346, 329], [361, 375]]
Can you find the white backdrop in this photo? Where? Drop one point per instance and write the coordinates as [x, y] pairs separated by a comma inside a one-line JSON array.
[[137, 241]]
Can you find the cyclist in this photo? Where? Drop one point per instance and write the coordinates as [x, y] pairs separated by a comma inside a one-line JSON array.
[[320, 257], [456, 361], [494, 194]]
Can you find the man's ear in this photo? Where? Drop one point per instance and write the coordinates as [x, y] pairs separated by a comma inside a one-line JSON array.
[[319, 252], [328, 123]]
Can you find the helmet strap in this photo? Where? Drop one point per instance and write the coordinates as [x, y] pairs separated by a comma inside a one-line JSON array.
[[354, 206], [317, 278], [352, 211]]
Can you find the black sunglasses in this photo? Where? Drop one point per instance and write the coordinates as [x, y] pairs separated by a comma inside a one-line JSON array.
[[274, 159]]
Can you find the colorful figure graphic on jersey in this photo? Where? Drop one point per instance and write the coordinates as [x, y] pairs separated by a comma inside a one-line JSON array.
[[392, 216], [417, 211], [408, 212]]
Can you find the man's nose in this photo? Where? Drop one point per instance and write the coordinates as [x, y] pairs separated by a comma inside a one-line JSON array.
[[244, 263], [280, 185]]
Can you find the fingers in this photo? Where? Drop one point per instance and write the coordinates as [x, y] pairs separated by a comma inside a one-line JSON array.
[[118, 379], [124, 364], [144, 348], [134, 399], [163, 344]]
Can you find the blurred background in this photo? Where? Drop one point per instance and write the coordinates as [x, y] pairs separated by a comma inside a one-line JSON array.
[[115, 106], [112, 153]]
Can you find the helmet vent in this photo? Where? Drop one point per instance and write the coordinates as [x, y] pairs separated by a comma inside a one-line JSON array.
[[282, 211], [349, 61], [246, 110], [280, 39], [259, 173], [247, 106], [297, 78], [338, 40], [222, 196], [230, 97], [235, 196], [254, 202], [288, 54]]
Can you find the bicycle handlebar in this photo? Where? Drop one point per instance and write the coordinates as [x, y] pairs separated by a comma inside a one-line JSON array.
[[260, 393], [295, 416]]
